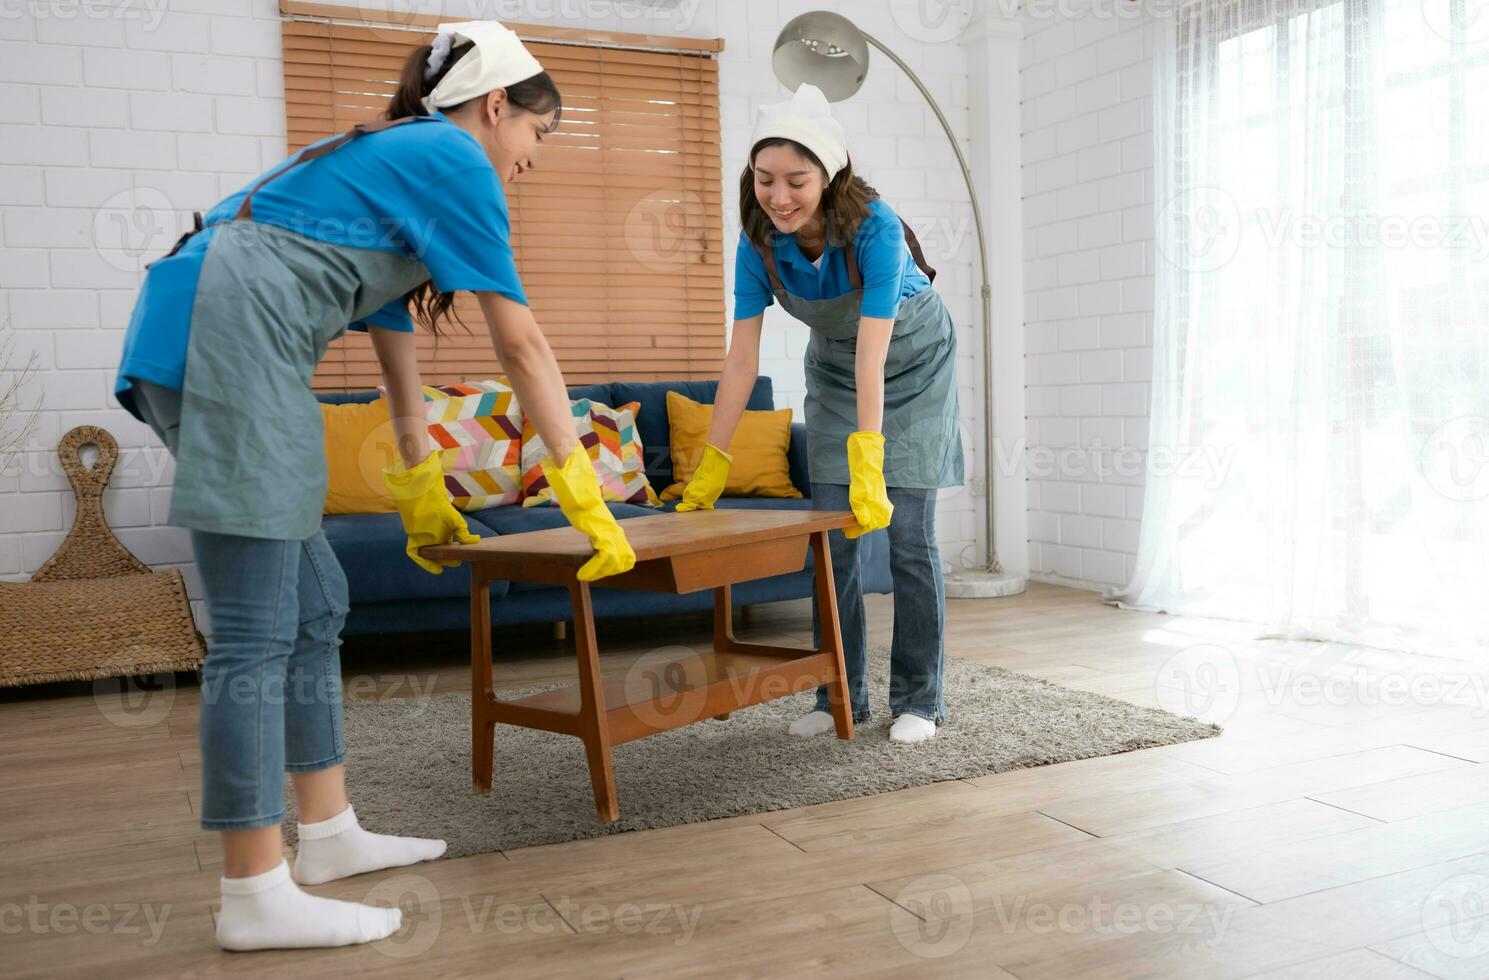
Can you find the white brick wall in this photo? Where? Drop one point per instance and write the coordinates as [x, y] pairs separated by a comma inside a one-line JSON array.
[[159, 108], [1088, 216], [106, 108]]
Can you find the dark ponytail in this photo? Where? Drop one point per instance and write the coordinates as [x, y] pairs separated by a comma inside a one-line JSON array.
[[537, 95]]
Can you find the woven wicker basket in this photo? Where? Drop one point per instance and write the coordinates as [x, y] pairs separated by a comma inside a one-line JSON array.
[[94, 610]]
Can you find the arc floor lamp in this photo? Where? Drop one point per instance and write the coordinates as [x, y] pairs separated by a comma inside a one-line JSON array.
[[829, 51]]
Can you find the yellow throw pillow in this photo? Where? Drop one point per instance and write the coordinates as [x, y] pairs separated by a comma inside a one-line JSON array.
[[359, 443], [759, 449]]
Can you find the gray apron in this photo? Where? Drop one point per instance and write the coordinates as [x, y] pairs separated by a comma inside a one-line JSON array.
[[922, 435], [250, 457]]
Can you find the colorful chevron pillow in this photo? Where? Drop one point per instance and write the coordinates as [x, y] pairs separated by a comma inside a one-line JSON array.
[[614, 446], [436, 392], [478, 429]]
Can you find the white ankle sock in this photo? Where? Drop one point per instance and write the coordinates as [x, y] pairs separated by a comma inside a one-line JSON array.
[[340, 848], [911, 728], [267, 911], [814, 722]]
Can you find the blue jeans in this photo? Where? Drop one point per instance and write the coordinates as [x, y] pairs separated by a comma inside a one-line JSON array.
[[917, 651], [271, 683]]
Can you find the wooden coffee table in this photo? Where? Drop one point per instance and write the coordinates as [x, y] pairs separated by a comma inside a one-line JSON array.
[[711, 549]]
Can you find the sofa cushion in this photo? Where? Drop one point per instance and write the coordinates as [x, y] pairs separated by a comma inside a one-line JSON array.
[[595, 392], [796, 457], [347, 397], [752, 503], [516, 520], [654, 426], [370, 548]]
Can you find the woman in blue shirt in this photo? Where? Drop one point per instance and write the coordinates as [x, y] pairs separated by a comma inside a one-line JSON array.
[[357, 231], [881, 404]]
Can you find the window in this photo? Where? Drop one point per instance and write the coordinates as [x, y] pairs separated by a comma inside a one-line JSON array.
[[617, 232], [1321, 357]]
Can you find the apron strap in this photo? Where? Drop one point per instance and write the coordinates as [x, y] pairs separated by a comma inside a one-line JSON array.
[[196, 222], [768, 256], [915, 251], [855, 277], [245, 210]]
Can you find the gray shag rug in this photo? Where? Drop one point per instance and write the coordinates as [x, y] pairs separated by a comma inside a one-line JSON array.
[[408, 765]]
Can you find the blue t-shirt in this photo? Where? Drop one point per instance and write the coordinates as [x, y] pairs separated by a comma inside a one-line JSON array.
[[884, 261], [424, 190]]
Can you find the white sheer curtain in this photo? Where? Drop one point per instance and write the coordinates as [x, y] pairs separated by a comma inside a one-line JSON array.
[[1319, 457]]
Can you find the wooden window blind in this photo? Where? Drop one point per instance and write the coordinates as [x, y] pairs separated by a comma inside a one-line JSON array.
[[617, 230]]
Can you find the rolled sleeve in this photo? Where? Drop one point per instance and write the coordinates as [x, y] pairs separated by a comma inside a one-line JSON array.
[[393, 316], [881, 258], [752, 292], [467, 241]]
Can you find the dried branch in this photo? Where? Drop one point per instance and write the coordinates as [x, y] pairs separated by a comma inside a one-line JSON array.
[[17, 421]]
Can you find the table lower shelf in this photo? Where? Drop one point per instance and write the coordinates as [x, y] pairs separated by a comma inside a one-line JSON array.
[[658, 693]]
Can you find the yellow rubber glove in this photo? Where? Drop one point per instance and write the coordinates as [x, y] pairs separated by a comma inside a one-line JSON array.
[[428, 516], [708, 480], [866, 491], [577, 490]]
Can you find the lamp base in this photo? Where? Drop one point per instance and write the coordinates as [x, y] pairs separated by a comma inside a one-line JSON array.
[[966, 583]]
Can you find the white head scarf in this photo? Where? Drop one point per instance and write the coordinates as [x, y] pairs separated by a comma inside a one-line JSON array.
[[806, 119], [498, 59]]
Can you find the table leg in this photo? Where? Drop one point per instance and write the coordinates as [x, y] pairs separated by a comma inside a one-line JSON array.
[[482, 726], [723, 619], [832, 634], [723, 627], [593, 727]]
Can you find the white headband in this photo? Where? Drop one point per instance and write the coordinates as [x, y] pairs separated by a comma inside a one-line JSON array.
[[806, 119], [498, 59]]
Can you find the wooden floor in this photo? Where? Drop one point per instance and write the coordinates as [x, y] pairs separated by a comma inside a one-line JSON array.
[[1339, 828]]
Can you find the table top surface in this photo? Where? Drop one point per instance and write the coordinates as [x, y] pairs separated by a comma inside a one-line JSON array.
[[654, 536]]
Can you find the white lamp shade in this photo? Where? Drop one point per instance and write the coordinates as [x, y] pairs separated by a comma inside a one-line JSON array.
[[824, 49]]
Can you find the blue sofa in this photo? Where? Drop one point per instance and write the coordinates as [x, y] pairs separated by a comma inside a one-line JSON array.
[[390, 594]]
